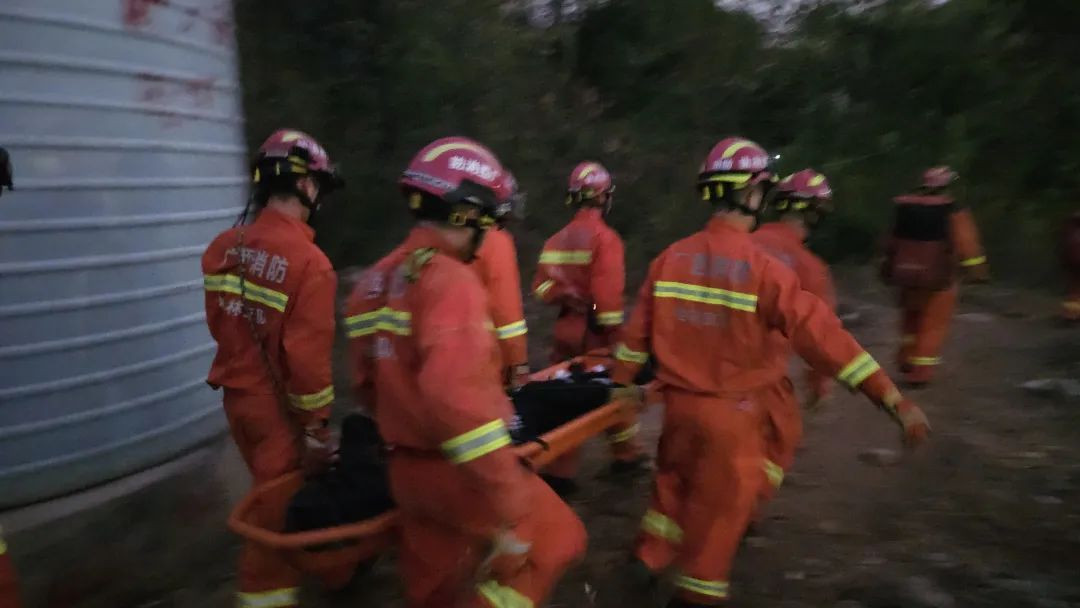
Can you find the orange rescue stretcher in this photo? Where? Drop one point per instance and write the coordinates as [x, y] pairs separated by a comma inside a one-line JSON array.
[[332, 555]]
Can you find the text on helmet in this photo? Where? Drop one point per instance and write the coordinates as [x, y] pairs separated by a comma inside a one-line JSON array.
[[473, 167]]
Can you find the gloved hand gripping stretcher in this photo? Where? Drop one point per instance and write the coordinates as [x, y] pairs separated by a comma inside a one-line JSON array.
[[332, 554]]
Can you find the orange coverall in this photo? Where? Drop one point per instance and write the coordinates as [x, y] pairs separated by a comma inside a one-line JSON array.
[[582, 271], [926, 313], [496, 265], [1070, 261], [289, 288], [425, 364], [9, 588], [784, 242], [707, 313]]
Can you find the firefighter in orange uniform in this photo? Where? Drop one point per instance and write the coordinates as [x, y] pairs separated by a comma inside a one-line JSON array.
[[1070, 261], [707, 312], [270, 308], [9, 588], [802, 200], [581, 271], [497, 266], [932, 235], [478, 527]]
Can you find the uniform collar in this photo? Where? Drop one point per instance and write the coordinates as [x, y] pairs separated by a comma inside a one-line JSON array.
[[718, 225], [589, 214], [786, 230], [421, 237], [270, 215]]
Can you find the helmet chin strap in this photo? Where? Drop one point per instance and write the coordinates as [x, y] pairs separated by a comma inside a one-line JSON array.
[[475, 241]]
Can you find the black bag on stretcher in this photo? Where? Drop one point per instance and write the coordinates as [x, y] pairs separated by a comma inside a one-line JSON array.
[[357, 488]]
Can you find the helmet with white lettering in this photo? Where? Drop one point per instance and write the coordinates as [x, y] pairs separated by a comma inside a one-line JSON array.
[[588, 181], [807, 192], [282, 160], [733, 164], [455, 181]]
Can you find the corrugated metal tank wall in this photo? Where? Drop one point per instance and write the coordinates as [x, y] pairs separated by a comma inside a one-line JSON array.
[[124, 124]]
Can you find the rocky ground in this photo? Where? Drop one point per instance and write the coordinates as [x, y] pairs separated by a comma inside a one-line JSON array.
[[985, 515]]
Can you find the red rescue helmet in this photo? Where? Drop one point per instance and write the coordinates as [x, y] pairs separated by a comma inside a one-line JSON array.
[[511, 200], [936, 178], [289, 153], [457, 181], [806, 190], [587, 181], [733, 164]]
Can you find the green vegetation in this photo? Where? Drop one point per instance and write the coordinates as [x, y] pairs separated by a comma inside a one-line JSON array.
[[870, 97]]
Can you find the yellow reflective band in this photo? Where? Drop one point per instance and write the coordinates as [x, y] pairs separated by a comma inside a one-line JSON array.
[[924, 360], [440, 150], [476, 443], [278, 598], [662, 526], [622, 353], [624, 435], [230, 283], [501, 596], [860, 368], [575, 257], [544, 287], [974, 261], [384, 319], [817, 180], [710, 588], [732, 178], [512, 330], [610, 318], [313, 401], [705, 295], [587, 170], [735, 147], [774, 472]]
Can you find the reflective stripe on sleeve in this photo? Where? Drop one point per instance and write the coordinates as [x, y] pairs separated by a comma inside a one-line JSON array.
[[705, 295], [512, 330], [384, 319], [924, 361], [610, 318], [313, 401], [774, 472], [975, 261], [718, 589], [476, 443], [277, 598], [623, 353], [572, 258], [230, 283], [502, 596], [860, 368], [542, 289], [662, 526]]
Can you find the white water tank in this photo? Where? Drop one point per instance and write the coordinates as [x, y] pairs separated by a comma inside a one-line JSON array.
[[124, 125]]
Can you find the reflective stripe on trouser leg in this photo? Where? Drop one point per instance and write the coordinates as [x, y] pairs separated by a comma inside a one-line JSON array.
[[714, 589], [774, 472], [502, 596], [275, 598], [934, 320], [661, 526]]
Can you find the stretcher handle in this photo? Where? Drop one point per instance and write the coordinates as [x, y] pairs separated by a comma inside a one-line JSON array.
[[558, 442]]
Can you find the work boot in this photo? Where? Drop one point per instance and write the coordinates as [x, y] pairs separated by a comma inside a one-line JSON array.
[[565, 487]]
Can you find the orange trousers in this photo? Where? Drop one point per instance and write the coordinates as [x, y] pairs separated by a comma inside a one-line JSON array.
[[925, 318], [9, 588], [783, 433], [1070, 308], [572, 338], [442, 540], [270, 445], [710, 470]]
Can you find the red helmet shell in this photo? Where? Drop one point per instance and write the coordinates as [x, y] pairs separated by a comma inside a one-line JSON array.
[[938, 177], [441, 167], [736, 155], [283, 143], [589, 178], [806, 184]]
